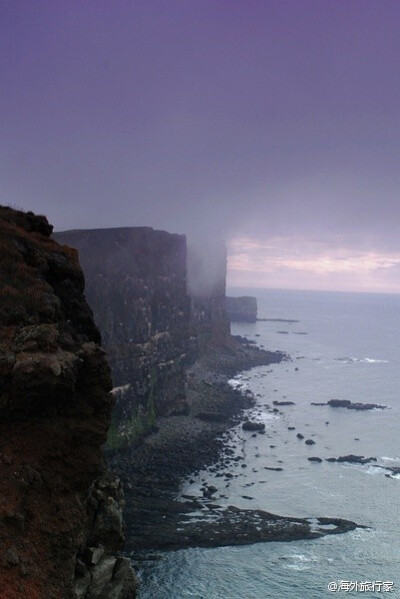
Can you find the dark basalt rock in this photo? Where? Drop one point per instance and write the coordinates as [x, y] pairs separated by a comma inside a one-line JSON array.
[[253, 426], [60, 501], [212, 416], [314, 459], [352, 459], [394, 469], [283, 403], [339, 403], [136, 285], [309, 442], [349, 405], [233, 526], [244, 340], [300, 436]]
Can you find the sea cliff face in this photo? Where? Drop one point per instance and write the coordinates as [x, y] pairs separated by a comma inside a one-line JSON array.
[[161, 311], [157, 306], [60, 510]]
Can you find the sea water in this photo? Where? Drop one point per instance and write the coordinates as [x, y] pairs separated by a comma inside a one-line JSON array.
[[344, 346]]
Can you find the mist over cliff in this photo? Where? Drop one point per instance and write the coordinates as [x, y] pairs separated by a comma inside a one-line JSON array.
[[275, 122]]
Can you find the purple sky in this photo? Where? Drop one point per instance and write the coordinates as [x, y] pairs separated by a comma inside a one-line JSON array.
[[274, 124]]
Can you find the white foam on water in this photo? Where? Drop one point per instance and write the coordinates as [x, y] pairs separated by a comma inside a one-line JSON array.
[[300, 561], [265, 417], [373, 470], [374, 361], [352, 360]]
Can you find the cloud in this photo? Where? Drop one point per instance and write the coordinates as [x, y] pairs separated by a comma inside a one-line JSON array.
[[296, 262], [263, 120]]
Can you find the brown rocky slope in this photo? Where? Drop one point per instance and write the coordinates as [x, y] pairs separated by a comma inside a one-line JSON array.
[[60, 509]]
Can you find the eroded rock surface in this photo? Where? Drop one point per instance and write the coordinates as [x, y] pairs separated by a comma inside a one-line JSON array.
[[60, 509]]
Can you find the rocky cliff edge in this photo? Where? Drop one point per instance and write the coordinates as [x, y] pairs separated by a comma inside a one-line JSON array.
[[60, 509]]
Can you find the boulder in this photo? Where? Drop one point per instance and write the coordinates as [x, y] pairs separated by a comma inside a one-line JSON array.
[[249, 425]]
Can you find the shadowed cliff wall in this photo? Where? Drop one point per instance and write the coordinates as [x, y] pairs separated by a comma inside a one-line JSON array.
[[136, 286], [138, 283], [59, 505]]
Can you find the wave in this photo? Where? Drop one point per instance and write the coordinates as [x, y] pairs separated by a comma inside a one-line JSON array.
[[373, 361], [350, 360], [300, 561], [238, 383], [265, 416]]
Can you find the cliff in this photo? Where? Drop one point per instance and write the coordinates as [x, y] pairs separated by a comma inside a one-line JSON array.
[[136, 286], [161, 312], [206, 285], [160, 305], [241, 309], [60, 511]]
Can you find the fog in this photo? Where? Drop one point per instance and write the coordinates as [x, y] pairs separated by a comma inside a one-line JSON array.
[[271, 122]]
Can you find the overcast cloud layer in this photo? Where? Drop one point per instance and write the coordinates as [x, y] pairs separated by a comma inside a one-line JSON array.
[[274, 121]]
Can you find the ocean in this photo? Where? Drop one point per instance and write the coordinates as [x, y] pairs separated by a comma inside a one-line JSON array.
[[344, 346]]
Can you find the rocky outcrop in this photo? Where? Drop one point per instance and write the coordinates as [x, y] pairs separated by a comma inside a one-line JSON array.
[[352, 459], [350, 405], [241, 309], [60, 509]]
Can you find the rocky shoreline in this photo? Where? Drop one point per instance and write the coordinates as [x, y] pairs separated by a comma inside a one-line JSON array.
[[157, 518]]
